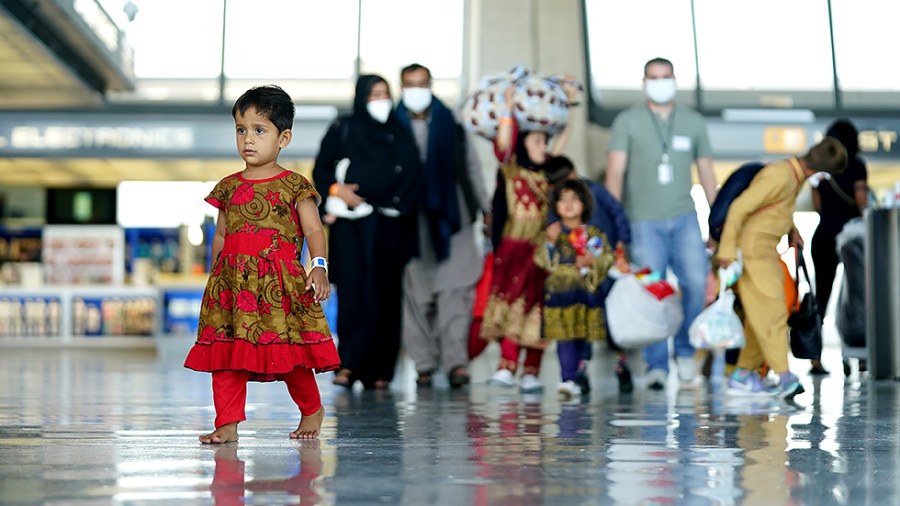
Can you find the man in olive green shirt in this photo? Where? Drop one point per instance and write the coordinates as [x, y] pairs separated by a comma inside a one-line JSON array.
[[652, 149]]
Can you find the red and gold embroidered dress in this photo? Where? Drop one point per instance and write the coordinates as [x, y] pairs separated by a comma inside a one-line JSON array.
[[256, 314], [514, 304]]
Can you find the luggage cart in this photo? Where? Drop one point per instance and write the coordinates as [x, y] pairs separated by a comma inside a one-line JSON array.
[[850, 311]]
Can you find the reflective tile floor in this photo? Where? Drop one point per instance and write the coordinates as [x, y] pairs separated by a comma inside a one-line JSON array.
[[87, 427]]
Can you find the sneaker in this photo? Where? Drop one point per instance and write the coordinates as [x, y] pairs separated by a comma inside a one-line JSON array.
[[503, 378], [687, 368], [623, 374], [569, 389], [788, 386], [743, 382], [656, 379], [530, 384]]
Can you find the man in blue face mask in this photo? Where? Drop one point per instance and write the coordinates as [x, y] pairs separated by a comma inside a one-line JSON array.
[[439, 285], [651, 151]]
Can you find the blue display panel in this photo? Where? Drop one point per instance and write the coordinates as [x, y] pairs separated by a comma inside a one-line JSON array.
[[181, 310], [159, 245]]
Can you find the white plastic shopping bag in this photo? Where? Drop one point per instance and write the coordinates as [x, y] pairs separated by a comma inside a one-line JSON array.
[[636, 317], [718, 326], [336, 205]]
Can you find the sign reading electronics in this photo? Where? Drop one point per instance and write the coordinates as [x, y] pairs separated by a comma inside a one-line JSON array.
[[80, 137]]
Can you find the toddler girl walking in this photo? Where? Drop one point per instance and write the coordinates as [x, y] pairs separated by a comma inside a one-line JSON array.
[[580, 257], [261, 318]]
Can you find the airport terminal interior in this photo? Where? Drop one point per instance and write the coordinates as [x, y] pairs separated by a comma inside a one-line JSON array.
[[115, 123]]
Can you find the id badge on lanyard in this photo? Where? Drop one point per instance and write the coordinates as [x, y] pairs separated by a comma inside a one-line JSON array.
[[665, 173], [664, 170]]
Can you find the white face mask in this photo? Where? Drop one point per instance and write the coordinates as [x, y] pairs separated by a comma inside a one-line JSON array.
[[416, 99], [380, 110], [660, 91]]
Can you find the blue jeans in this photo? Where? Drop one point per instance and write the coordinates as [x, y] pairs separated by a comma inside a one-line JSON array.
[[675, 243]]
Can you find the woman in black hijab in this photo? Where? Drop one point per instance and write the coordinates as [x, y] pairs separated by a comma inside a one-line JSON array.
[[369, 251], [837, 201]]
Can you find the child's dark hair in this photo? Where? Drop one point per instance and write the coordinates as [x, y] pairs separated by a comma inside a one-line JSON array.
[[581, 190], [558, 168], [270, 101]]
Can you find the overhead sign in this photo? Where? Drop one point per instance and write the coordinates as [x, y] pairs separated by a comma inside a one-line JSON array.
[[738, 140], [877, 141], [779, 139], [85, 135], [211, 136], [104, 137]]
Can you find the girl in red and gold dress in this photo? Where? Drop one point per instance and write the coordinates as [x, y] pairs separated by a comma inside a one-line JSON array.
[[261, 318], [513, 312]]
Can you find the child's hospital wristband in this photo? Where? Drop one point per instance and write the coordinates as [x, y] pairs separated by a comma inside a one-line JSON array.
[[319, 262]]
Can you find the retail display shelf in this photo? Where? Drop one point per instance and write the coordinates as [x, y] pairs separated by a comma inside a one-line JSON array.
[[96, 316]]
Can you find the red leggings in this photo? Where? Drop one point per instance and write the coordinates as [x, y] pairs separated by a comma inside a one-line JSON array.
[[230, 393], [509, 357]]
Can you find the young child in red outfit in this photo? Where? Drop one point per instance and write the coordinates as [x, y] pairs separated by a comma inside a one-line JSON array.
[[261, 318]]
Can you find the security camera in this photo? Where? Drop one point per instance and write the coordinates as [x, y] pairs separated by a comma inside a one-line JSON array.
[[131, 10]]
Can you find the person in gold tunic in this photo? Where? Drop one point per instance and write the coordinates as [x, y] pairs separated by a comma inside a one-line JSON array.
[[757, 220]]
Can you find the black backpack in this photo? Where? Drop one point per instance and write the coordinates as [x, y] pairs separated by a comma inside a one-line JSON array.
[[736, 183]]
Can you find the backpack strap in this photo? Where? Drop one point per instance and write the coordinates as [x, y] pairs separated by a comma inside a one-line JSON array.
[[801, 264], [840, 192]]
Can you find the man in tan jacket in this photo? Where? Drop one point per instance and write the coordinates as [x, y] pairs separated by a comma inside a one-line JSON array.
[[757, 220]]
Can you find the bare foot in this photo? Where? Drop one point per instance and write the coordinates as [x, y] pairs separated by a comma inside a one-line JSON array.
[[309, 425], [224, 434]]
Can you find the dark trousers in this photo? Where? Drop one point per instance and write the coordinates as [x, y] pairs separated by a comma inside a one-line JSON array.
[[826, 260], [571, 353]]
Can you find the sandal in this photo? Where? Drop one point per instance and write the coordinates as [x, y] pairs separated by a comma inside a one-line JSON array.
[[344, 378], [425, 379], [459, 377], [818, 370]]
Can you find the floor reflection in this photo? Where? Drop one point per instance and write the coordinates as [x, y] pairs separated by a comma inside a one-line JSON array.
[[121, 428], [231, 485]]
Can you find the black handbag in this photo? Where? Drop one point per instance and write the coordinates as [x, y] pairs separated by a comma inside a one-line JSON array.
[[805, 322]]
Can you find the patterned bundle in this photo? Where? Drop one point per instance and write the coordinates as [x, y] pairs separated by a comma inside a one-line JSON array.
[[540, 102]]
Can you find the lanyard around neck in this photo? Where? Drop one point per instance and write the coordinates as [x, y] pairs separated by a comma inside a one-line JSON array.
[[659, 132]]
